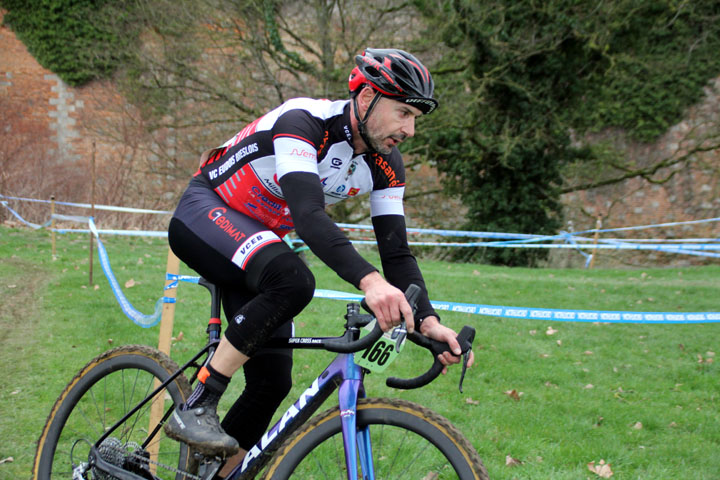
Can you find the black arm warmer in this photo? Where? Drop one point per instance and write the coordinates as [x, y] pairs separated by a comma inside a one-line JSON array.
[[306, 200], [399, 264]]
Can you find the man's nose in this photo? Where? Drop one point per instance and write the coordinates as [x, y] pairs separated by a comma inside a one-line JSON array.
[[408, 128]]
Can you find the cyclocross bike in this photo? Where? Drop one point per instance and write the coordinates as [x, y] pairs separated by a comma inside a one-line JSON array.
[[107, 423]]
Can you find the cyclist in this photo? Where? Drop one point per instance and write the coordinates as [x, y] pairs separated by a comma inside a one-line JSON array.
[[277, 174]]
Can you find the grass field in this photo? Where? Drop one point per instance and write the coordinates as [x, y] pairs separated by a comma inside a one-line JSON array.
[[643, 398]]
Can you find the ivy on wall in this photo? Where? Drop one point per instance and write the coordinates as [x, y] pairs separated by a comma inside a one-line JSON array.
[[65, 36]]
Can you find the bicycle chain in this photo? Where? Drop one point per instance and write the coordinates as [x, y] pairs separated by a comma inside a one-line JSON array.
[[176, 471]]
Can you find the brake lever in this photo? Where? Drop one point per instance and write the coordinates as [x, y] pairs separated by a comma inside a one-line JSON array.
[[465, 339], [399, 334], [466, 359]]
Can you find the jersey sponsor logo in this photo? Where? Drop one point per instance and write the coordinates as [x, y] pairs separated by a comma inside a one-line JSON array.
[[387, 170], [267, 202], [234, 158], [336, 163], [392, 198], [253, 244], [353, 191], [303, 153], [272, 185], [217, 215], [323, 144]]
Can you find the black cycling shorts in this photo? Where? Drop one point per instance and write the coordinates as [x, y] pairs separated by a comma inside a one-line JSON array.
[[246, 242]]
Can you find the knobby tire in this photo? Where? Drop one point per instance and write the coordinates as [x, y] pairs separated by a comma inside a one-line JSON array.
[[99, 395], [409, 441]]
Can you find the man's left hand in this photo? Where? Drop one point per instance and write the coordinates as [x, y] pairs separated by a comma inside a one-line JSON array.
[[432, 328]]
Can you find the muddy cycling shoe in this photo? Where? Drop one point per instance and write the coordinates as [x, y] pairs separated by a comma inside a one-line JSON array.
[[200, 428]]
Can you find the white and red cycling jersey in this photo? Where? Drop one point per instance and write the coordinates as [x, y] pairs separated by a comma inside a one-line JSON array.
[[306, 146], [301, 135]]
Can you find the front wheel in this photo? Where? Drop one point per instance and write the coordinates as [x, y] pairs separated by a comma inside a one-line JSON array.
[[102, 392], [408, 441]]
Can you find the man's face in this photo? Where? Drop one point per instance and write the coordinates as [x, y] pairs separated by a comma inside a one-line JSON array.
[[390, 123]]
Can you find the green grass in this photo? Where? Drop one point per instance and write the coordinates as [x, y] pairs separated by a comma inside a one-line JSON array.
[[586, 390]]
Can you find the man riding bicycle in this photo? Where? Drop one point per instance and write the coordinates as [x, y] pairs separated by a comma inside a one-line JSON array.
[[276, 175]]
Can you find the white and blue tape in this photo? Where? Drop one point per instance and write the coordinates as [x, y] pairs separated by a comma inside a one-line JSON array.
[[517, 241], [552, 314]]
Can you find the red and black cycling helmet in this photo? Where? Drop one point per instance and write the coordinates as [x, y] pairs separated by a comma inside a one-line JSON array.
[[395, 74]]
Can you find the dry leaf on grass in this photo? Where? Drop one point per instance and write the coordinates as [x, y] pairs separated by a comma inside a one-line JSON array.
[[550, 331], [514, 394], [470, 401], [130, 283], [512, 462], [602, 469], [7, 460]]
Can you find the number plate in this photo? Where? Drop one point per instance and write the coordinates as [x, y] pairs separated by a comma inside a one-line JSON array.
[[382, 353]]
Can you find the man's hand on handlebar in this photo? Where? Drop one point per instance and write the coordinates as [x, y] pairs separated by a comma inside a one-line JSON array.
[[433, 329], [387, 303]]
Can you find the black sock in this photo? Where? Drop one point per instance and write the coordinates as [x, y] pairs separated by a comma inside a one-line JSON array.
[[210, 387]]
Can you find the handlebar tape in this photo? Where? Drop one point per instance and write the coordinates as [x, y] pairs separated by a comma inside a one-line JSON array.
[[464, 338]]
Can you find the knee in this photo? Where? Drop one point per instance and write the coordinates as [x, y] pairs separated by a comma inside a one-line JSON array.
[[289, 277]]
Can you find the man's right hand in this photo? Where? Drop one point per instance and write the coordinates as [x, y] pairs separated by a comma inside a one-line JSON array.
[[387, 302]]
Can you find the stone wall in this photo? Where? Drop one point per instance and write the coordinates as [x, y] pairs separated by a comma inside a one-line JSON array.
[[692, 191]]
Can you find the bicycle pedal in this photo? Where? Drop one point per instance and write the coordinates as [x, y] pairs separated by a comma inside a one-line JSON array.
[[209, 467]]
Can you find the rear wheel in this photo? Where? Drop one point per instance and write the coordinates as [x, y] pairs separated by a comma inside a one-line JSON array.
[[408, 442], [101, 394]]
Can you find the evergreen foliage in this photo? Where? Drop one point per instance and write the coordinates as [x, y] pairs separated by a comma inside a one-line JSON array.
[[65, 36], [519, 77]]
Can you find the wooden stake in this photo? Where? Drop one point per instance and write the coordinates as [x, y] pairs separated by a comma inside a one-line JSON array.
[[166, 326], [92, 211], [168, 313], [598, 226]]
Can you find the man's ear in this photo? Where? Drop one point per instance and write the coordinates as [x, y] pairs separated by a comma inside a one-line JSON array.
[[364, 99]]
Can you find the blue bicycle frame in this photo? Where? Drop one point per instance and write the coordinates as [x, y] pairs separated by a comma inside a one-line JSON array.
[[342, 373]]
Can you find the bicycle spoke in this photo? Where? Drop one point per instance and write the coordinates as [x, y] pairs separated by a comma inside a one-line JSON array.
[[105, 390]]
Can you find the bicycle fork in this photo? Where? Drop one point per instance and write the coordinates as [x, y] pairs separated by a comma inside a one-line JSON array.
[[356, 441]]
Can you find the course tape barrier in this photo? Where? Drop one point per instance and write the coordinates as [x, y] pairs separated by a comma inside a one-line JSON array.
[[574, 241], [111, 208], [551, 314], [145, 321]]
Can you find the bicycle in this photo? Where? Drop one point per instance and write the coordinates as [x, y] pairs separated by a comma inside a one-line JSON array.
[[107, 422]]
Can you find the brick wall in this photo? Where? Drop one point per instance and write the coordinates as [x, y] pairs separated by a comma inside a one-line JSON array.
[[54, 130], [39, 96]]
